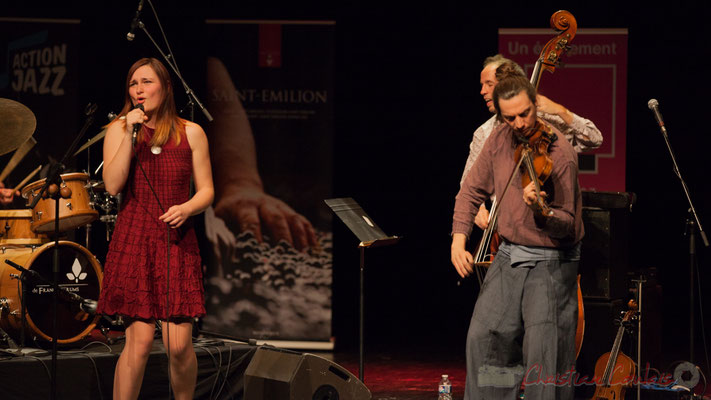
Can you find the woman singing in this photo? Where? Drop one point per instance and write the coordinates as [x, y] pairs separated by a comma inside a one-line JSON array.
[[141, 281]]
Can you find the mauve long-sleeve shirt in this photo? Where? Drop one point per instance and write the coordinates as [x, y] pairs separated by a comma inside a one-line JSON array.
[[516, 222], [581, 133]]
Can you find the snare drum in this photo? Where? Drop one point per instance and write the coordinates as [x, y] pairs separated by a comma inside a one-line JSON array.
[[15, 229], [73, 212], [79, 273]]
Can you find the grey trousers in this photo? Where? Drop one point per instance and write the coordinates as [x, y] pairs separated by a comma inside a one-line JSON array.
[[523, 331]]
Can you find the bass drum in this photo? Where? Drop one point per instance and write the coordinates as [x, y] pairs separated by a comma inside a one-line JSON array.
[[79, 273]]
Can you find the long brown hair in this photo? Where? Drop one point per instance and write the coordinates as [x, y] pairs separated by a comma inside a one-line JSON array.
[[168, 124]]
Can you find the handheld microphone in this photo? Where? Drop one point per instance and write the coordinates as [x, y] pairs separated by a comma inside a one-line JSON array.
[[134, 23], [653, 105], [136, 127]]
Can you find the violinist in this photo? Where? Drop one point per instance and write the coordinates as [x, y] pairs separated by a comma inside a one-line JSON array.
[[580, 132], [523, 326]]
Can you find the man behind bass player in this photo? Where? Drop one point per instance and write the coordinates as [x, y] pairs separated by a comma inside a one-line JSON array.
[[524, 321], [580, 132]]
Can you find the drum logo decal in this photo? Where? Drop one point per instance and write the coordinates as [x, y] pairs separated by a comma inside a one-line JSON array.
[[76, 275]]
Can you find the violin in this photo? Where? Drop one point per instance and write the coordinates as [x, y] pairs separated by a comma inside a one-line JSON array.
[[532, 154], [614, 371]]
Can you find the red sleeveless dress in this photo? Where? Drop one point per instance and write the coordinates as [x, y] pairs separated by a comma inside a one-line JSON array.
[[135, 275]]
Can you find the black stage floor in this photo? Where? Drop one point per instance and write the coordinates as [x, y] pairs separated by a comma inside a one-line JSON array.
[[87, 373]]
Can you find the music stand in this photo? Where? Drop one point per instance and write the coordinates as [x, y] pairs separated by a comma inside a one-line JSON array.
[[370, 235]]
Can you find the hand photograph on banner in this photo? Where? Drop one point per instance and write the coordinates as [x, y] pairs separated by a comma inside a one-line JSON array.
[[269, 271]]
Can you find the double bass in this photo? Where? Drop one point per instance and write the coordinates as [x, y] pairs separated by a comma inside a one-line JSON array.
[[565, 24]]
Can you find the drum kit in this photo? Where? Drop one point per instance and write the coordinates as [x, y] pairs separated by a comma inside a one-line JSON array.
[[26, 239]]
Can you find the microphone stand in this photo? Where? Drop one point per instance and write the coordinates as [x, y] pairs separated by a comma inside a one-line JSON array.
[[693, 222], [172, 63], [54, 177]]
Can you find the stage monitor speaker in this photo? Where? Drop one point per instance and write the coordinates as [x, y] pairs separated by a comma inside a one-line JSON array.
[[277, 374], [604, 259]]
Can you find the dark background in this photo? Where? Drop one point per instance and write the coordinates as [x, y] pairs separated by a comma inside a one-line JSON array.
[[407, 102]]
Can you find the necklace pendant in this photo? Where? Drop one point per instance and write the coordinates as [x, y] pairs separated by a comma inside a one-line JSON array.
[[156, 150]]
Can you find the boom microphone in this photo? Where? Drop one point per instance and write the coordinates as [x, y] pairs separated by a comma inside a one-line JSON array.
[[134, 23], [653, 105]]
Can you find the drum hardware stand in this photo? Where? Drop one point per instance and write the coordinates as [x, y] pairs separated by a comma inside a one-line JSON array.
[[54, 178], [87, 232], [105, 331], [109, 221], [90, 183], [693, 223], [3, 335]]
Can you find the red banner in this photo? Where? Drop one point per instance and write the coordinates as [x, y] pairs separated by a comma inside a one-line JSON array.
[[270, 45], [591, 82]]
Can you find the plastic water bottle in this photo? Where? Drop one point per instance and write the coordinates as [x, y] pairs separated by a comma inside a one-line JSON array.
[[445, 388]]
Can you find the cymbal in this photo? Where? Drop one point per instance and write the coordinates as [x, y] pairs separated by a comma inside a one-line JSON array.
[[17, 124], [19, 154], [99, 185], [91, 141]]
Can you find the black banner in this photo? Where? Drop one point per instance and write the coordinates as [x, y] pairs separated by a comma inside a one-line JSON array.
[[277, 92], [40, 69]]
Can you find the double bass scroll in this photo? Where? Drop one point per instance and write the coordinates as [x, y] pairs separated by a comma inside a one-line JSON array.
[[563, 22]]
